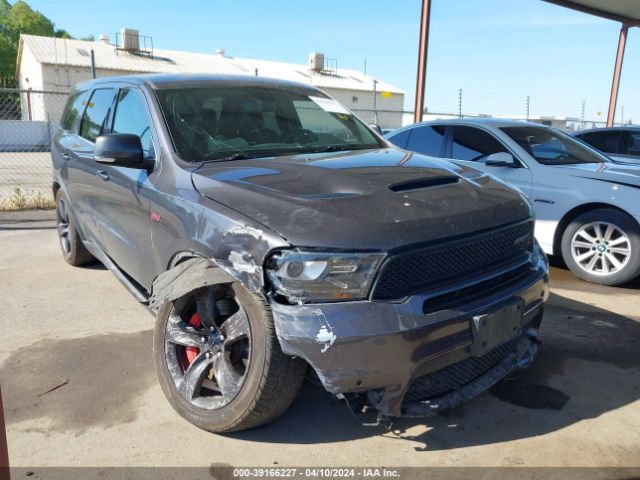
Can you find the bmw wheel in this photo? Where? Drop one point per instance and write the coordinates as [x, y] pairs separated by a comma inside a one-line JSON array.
[[219, 362], [603, 246]]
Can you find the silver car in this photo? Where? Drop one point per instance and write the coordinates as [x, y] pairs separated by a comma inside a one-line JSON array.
[[587, 206]]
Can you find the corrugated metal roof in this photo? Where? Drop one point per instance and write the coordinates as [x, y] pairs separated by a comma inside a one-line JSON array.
[[77, 53]]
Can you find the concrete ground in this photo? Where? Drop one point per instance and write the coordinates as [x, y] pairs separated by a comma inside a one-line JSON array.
[[79, 387]]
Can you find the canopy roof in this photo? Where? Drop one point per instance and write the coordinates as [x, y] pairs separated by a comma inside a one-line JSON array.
[[626, 11]]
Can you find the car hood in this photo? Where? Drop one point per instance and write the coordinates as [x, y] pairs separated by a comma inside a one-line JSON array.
[[606, 172], [368, 199]]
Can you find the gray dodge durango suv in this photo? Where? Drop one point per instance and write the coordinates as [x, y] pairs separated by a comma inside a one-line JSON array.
[[273, 233]]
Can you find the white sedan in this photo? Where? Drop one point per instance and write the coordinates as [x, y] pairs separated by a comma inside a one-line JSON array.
[[587, 208]]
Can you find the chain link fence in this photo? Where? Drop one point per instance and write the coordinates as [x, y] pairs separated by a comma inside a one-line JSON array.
[[27, 120]]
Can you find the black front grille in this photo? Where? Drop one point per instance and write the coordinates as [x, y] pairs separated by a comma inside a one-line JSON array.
[[457, 375], [415, 271]]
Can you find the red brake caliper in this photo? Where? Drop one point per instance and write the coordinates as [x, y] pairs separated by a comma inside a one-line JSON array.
[[192, 352]]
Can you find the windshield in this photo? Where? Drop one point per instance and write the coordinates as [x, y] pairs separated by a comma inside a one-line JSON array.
[[550, 147], [214, 123]]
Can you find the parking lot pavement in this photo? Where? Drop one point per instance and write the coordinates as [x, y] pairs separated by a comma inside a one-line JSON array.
[[79, 387]]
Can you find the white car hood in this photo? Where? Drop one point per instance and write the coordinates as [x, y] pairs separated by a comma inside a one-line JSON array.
[[607, 172]]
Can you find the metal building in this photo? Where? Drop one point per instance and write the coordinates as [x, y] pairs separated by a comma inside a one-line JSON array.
[[48, 64]]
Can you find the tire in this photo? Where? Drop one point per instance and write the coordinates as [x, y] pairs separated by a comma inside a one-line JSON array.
[[269, 384], [73, 250], [608, 238]]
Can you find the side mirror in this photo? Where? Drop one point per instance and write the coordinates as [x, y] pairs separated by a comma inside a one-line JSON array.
[[376, 127], [501, 159], [121, 150]]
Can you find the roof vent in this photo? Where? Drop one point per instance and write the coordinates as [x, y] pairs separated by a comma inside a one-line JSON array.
[[130, 39], [104, 38], [220, 52], [316, 62]]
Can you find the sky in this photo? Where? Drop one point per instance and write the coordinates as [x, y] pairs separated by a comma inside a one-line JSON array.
[[497, 51]]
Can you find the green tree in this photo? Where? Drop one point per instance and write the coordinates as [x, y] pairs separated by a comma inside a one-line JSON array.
[[62, 34], [14, 20]]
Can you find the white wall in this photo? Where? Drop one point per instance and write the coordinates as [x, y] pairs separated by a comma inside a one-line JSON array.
[[361, 102], [30, 78], [49, 106], [62, 78]]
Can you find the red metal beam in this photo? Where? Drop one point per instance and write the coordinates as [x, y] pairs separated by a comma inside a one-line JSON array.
[[615, 83], [4, 451], [422, 60]]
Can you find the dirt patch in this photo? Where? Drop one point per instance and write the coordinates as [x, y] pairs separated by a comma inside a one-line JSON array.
[[78, 383]]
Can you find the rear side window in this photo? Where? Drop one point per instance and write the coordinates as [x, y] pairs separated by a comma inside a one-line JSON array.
[[73, 109], [473, 144], [427, 139], [131, 117], [401, 138], [603, 141], [630, 143], [94, 120]]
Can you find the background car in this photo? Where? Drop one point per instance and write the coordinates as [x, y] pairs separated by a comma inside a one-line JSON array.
[[586, 206], [622, 144]]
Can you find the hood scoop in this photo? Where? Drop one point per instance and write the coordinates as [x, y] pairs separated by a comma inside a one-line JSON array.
[[421, 183]]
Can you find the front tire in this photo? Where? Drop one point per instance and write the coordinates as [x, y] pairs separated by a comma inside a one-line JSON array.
[[219, 362], [73, 250], [603, 246]]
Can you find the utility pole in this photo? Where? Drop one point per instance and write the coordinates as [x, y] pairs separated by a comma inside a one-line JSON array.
[[93, 64], [459, 103], [582, 115], [528, 105], [375, 101]]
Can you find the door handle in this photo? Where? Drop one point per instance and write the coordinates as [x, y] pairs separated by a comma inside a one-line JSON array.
[[65, 156], [103, 175]]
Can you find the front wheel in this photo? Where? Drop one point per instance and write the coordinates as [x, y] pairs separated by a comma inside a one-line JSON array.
[[219, 362], [73, 250], [603, 246]]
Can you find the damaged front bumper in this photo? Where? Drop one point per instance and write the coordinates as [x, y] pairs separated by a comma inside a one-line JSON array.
[[427, 353]]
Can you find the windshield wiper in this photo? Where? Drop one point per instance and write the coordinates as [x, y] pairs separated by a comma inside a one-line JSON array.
[[337, 148], [233, 156]]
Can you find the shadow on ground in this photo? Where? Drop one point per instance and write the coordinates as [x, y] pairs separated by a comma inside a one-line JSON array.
[[28, 220], [77, 384], [561, 272], [588, 365]]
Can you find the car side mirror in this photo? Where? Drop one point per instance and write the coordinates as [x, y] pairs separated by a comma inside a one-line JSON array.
[[376, 128], [501, 159], [121, 150]]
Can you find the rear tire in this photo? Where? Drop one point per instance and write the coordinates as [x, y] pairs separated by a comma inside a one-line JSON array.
[[603, 246], [268, 383], [73, 250]]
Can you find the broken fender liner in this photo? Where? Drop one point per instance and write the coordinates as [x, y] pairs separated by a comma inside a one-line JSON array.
[[521, 358], [186, 277]]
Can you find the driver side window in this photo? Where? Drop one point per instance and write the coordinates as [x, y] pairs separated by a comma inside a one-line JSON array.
[[131, 117], [473, 144]]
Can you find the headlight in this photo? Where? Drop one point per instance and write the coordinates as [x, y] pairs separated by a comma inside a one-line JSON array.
[[315, 276]]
